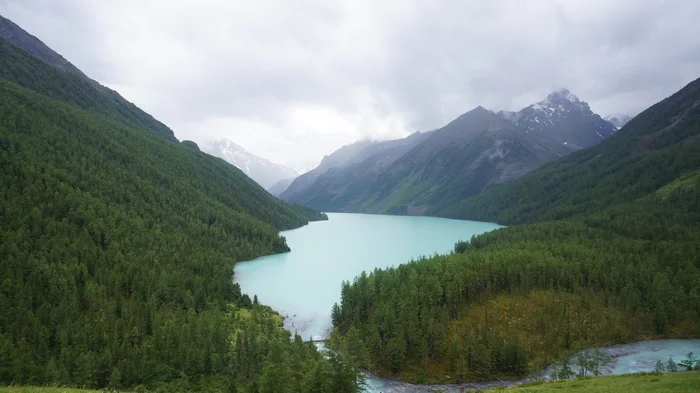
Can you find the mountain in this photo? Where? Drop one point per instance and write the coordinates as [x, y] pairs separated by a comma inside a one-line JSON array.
[[16, 36], [281, 186], [475, 152], [264, 172], [117, 244], [351, 172], [430, 171], [74, 87], [654, 148], [346, 155], [618, 120], [601, 247], [562, 118]]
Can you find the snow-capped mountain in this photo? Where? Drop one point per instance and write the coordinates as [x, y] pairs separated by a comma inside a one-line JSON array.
[[618, 120], [264, 172], [564, 119]]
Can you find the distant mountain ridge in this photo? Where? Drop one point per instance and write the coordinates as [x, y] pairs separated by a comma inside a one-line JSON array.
[[264, 172], [426, 172], [374, 154]]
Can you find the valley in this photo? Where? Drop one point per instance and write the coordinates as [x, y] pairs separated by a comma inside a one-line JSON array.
[[502, 248]]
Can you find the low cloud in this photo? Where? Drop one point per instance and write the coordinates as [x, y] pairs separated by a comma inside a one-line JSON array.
[[292, 81]]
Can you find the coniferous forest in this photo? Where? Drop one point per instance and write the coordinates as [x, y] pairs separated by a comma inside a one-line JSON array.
[[607, 250], [116, 251]]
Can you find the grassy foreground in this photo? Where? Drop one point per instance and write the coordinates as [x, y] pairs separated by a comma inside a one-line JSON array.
[[41, 389], [679, 382]]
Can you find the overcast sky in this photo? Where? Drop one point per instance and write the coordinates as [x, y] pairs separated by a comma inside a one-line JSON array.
[[293, 80]]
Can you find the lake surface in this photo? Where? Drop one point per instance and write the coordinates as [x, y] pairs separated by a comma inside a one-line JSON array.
[[303, 284]]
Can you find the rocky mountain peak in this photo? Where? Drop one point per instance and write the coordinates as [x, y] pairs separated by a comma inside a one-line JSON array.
[[479, 109], [561, 100], [562, 118], [563, 94]]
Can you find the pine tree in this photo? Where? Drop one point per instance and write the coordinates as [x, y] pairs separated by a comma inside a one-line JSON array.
[[689, 362], [336, 317], [671, 366], [565, 371], [659, 367]]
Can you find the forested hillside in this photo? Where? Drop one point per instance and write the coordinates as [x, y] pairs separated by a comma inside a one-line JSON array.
[[70, 86], [613, 255], [116, 252]]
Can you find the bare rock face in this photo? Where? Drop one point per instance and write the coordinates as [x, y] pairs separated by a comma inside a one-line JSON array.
[[563, 118], [16, 36]]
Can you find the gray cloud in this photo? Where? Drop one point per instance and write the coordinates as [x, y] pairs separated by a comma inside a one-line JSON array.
[[292, 81]]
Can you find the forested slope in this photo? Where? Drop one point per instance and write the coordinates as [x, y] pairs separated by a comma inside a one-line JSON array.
[[116, 253], [613, 255], [20, 67]]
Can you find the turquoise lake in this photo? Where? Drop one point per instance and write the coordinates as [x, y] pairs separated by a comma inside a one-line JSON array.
[[303, 284]]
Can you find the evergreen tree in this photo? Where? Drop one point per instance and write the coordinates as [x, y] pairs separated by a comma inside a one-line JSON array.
[[689, 362], [659, 367], [564, 371], [671, 366]]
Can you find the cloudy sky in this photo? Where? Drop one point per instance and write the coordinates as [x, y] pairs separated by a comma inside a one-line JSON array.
[[293, 80]]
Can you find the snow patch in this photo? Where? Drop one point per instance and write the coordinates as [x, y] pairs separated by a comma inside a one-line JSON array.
[[567, 94]]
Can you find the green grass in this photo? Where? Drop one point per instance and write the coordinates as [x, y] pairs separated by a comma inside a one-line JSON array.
[[41, 389], [680, 382]]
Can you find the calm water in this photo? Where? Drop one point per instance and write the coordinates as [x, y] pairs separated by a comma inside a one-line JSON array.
[[303, 284]]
